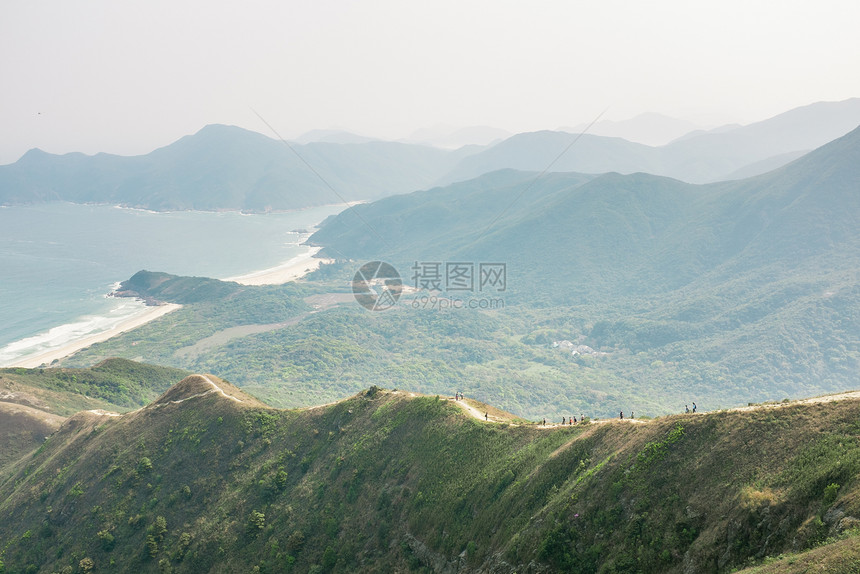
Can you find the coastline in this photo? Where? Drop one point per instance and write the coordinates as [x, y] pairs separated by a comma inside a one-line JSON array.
[[290, 270], [47, 357]]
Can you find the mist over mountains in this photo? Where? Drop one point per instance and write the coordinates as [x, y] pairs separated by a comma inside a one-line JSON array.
[[648, 128], [697, 158], [224, 167]]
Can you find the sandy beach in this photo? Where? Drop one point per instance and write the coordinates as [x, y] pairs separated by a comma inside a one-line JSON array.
[[291, 270], [149, 314]]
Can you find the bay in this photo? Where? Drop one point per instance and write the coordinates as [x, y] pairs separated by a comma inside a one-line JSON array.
[[58, 261]]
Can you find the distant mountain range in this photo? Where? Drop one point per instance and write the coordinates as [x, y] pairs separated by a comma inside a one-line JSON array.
[[224, 167], [649, 129], [697, 158], [451, 138], [609, 229]]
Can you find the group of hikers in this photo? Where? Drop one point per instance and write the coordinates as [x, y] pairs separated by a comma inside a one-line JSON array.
[[458, 396], [568, 420]]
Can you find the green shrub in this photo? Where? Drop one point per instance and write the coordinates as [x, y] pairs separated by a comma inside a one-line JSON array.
[[256, 522], [107, 540], [151, 545], [830, 494], [144, 465]]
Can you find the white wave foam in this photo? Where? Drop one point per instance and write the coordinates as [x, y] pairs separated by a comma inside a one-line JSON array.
[[62, 335]]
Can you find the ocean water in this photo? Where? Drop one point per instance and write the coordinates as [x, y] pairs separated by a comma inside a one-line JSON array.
[[58, 261]]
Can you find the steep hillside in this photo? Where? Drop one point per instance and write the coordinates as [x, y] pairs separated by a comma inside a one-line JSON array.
[[35, 402], [206, 479], [225, 167], [22, 429]]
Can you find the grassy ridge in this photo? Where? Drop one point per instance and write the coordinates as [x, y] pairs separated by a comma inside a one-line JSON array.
[[114, 384], [385, 481]]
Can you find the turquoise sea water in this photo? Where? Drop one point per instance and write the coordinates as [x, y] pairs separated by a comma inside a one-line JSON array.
[[59, 260]]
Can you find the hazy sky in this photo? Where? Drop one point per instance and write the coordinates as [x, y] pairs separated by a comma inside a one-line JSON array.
[[129, 76]]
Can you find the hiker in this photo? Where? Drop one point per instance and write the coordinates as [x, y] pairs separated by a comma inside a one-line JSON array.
[[574, 420], [544, 422], [563, 420], [485, 416], [631, 414], [622, 415], [686, 409], [570, 421], [694, 407]]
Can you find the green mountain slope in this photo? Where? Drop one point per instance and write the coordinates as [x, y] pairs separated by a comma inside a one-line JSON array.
[[113, 384], [746, 287], [207, 479], [225, 167], [619, 234], [35, 402], [22, 429]]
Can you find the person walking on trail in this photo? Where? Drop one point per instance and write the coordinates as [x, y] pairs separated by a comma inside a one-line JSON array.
[[694, 407], [686, 409], [563, 420], [621, 414], [544, 422], [485, 416]]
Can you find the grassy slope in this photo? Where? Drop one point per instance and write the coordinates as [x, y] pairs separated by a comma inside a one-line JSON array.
[[35, 402], [22, 429], [114, 384], [385, 481]]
